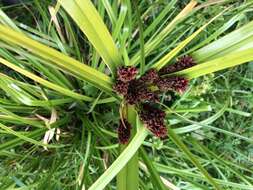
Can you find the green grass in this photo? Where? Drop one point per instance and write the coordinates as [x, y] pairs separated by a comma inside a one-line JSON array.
[[64, 85]]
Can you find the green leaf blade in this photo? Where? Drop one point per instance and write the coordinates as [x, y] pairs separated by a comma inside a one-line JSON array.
[[122, 160], [89, 21], [57, 59], [228, 41], [217, 64], [175, 138]]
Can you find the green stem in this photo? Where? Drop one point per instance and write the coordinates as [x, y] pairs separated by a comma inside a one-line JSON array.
[[122, 175], [133, 172], [128, 177], [133, 165], [122, 159]]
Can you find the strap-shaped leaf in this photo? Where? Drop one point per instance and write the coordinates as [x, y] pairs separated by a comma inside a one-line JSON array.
[[214, 36], [4, 19], [89, 21], [221, 63], [153, 43], [163, 61], [24, 137], [155, 178], [122, 160], [44, 82], [215, 49], [24, 94], [176, 139], [57, 59]]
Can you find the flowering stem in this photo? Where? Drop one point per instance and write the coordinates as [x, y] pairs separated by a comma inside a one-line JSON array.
[[133, 165], [128, 177], [122, 175], [122, 159]]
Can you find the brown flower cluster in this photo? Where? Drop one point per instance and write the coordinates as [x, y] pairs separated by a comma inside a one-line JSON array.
[[135, 90], [153, 118], [124, 131], [182, 63], [144, 93], [175, 83]]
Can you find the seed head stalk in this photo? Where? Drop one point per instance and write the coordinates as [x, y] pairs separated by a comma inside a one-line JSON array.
[[128, 177]]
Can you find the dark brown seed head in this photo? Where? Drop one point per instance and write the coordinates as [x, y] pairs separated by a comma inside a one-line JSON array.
[[152, 112], [132, 96], [150, 76], [126, 74], [124, 131], [179, 84], [175, 83], [158, 129], [120, 87], [139, 92], [153, 118], [186, 61], [183, 63], [164, 84], [147, 95]]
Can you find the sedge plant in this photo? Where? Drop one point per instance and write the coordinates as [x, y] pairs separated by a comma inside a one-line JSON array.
[[78, 77]]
